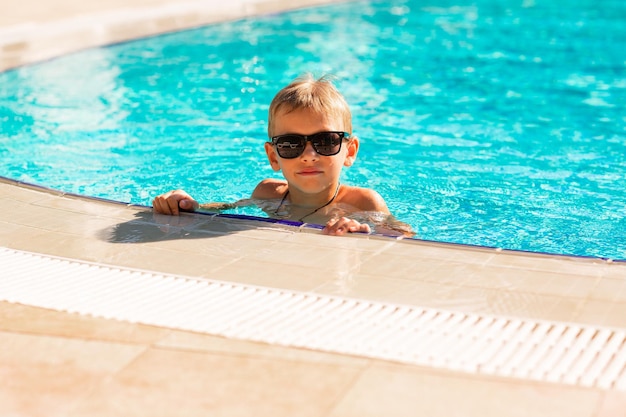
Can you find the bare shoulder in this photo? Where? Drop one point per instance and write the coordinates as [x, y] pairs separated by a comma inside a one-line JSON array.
[[270, 188], [364, 199]]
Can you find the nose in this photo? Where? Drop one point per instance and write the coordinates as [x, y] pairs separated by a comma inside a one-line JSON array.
[[309, 153]]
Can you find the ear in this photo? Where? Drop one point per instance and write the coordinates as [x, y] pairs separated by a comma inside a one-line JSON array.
[[353, 149], [271, 156]]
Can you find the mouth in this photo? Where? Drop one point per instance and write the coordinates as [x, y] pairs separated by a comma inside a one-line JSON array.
[[307, 172]]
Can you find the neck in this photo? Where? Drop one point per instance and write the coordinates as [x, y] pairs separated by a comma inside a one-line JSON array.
[[317, 207], [307, 201]]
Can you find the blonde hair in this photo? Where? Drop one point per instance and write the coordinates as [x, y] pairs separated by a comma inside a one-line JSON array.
[[306, 92]]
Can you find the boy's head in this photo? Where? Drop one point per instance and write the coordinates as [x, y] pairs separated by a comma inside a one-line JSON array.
[[307, 93]]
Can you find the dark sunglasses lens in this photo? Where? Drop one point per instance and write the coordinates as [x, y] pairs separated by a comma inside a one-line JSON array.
[[289, 147], [327, 143]]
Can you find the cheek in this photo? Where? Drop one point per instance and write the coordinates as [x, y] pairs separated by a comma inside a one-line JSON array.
[[285, 165], [336, 164], [340, 160]]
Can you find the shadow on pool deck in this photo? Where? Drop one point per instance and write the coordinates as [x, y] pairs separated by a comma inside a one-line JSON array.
[[152, 227]]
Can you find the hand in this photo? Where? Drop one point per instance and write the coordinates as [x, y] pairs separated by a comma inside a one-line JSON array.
[[173, 202], [343, 225]]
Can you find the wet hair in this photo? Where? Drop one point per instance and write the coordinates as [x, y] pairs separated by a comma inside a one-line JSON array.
[[305, 92]]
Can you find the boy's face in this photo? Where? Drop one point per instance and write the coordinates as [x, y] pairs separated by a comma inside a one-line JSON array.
[[310, 172]]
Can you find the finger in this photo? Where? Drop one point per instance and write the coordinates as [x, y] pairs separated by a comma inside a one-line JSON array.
[[188, 204], [157, 205], [343, 225], [332, 222], [184, 204], [341, 231], [172, 204], [336, 230], [331, 227], [363, 228], [329, 230]]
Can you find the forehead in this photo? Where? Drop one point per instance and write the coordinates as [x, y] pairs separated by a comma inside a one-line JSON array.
[[305, 121]]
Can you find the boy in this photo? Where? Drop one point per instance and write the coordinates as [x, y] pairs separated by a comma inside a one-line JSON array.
[[310, 127]]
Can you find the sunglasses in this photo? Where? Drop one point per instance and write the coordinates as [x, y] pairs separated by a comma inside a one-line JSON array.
[[324, 143]]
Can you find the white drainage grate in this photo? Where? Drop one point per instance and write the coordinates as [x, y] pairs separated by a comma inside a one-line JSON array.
[[536, 350]]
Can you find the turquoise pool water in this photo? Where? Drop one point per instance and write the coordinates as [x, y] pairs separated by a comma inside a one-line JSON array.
[[496, 123]]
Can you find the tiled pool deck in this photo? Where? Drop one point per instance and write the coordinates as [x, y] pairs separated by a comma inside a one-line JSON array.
[[55, 363]]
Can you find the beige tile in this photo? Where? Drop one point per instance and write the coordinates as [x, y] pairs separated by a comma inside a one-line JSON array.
[[569, 285], [159, 230], [615, 270], [511, 279], [231, 246], [34, 320], [263, 230], [69, 223], [269, 274], [166, 261], [323, 259], [388, 390], [415, 267], [567, 309], [355, 242], [33, 10], [46, 376], [457, 298], [388, 290], [448, 297], [492, 277], [616, 316], [610, 289], [133, 255], [33, 239], [533, 306], [613, 404], [597, 312], [444, 252], [18, 211], [177, 383], [10, 191], [506, 303], [69, 26], [52, 219], [9, 231], [216, 344], [91, 207], [603, 313], [58, 244], [561, 264], [158, 227]]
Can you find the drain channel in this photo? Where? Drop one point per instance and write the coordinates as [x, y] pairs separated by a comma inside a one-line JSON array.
[[518, 348]]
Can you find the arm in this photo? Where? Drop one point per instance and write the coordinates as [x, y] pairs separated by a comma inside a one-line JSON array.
[[360, 199], [269, 188], [387, 226], [343, 225], [363, 201], [173, 202]]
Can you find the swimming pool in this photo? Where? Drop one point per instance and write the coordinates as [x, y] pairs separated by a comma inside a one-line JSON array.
[[489, 123]]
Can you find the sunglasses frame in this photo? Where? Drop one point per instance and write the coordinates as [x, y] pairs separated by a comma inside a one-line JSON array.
[[307, 138]]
